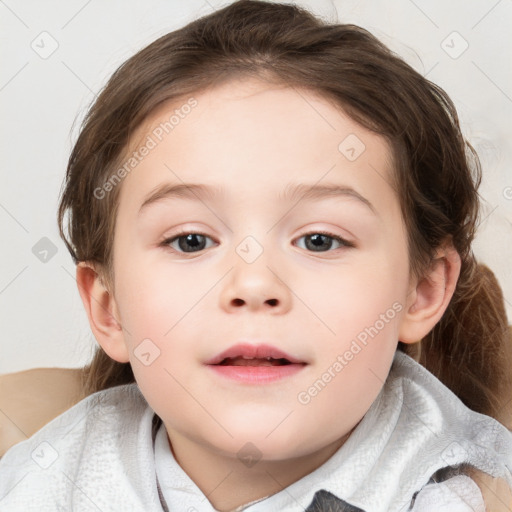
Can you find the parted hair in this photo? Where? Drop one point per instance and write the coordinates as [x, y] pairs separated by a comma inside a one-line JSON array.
[[436, 172]]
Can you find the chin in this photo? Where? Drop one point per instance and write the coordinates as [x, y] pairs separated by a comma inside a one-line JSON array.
[[257, 443]]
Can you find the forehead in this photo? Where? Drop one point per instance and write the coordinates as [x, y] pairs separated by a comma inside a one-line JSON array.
[[251, 136]]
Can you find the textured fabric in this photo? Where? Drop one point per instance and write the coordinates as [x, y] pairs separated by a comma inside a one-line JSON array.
[[179, 492], [95, 456], [457, 494], [100, 455]]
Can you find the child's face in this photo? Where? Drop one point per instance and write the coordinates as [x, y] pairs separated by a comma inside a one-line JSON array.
[[255, 277]]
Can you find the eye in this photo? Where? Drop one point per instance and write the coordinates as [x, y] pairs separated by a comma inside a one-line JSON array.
[[187, 242], [190, 242], [320, 240]]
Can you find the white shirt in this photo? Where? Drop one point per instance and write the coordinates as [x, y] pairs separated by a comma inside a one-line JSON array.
[[110, 452], [456, 494]]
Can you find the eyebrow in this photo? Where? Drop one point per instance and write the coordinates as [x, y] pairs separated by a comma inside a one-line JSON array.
[[301, 191], [315, 192]]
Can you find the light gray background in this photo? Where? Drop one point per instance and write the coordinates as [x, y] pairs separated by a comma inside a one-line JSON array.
[[43, 100]]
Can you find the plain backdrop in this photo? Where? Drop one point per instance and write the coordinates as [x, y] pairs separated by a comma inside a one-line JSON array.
[[57, 55]]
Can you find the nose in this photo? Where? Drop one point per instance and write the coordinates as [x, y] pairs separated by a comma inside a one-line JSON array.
[[255, 287]]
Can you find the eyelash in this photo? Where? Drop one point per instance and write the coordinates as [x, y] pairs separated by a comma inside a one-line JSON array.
[[344, 243]]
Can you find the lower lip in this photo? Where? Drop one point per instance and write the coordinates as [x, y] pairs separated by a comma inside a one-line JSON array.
[[257, 374]]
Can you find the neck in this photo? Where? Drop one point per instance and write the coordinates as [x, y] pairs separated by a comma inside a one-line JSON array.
[[229, 483]]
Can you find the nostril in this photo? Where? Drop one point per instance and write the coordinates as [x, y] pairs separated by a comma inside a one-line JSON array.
[[241, 302]]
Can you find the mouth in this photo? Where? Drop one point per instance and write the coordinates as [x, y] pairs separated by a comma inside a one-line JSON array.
[[245, 354], [255, 364], [249, 361]]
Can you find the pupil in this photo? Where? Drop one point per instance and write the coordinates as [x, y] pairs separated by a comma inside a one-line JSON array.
[[185, 242], [318, 240]]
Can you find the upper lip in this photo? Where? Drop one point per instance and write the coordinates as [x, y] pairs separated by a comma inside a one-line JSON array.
[[247, 350]]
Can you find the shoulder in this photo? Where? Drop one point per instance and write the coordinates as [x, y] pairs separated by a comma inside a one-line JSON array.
[[32, 398], [93, 420], [108, 429], [449, 419], [440, 431]]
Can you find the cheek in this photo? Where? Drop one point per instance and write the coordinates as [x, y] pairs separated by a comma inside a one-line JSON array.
[[153, 297], [361, 314], [161, 313], [356, 356], [359, 295]]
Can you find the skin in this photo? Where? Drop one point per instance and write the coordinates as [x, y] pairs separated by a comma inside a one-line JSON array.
[[253, 139]]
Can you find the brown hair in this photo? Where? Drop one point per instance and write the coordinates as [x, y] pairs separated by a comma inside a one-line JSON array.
[[437, 173]]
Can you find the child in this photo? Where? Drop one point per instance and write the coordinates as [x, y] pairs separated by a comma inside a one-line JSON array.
[[330, 203]]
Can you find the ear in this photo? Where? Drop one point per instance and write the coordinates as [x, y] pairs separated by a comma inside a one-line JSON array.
[[102, 312], [430, 295]]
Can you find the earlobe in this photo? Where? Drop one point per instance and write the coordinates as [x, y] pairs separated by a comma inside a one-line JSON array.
[[102, 313], [431, 295]]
